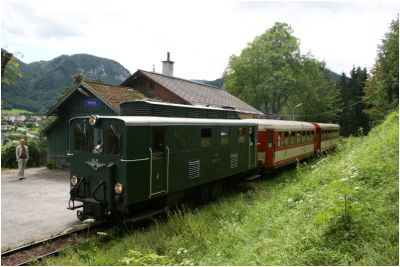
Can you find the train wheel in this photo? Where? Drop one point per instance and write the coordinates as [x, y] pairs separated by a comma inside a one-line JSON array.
[[81, 216]]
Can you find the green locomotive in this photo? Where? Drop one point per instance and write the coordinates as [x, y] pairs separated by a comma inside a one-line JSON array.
[[122, 165]]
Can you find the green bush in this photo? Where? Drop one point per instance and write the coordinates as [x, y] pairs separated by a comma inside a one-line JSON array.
[[16, 136], [8, 159]]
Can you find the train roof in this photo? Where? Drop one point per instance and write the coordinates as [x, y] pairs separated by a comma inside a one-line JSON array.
[[283, 125], [328, 125], [159, 121]]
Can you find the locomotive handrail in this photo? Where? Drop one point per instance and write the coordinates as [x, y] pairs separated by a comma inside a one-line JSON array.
[[167, 148], [75, 189], [151, 169], [133, 160]]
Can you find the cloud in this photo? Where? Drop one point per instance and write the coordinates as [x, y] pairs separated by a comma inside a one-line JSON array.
[[200, 35]]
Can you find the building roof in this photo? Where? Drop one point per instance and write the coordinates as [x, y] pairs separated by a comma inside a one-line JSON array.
[[111, 95], [197, 93]]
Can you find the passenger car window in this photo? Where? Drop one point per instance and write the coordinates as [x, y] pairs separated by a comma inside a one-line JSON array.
[[270, 140], [224, 136], [286, 139], [298, 134], [279, 139], [293, 139], [206, 135]]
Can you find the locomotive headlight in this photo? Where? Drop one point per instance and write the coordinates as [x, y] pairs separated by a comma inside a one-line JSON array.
[[118, 188], [74, 180], [92, 120]]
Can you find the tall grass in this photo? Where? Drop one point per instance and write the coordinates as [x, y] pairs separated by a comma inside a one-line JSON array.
[[340, 209]]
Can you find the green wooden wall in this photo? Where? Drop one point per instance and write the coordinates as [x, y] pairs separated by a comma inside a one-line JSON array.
[[57, 135]]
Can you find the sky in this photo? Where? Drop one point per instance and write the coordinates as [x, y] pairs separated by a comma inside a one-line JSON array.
[[200, 35]]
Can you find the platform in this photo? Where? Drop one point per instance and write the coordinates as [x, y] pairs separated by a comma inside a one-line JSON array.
[[34, 208]]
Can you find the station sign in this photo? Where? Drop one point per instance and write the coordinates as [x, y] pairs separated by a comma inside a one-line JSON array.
[[91, 102]]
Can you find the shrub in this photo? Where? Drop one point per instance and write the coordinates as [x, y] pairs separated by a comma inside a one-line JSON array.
[[8, 159]]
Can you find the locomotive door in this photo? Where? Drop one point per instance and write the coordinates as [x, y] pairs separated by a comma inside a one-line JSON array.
[[159, 161], [252, 147]]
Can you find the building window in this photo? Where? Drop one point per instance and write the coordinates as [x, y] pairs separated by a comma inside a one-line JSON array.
[[206, 135], [241, 135], [224, 136]]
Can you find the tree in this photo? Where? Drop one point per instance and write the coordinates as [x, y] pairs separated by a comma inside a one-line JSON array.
[[316, 90], [352, 117], [264, 73], [382, 87], [9, 68]]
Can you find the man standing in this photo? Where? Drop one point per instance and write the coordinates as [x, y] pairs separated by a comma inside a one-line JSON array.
[[22, 155]]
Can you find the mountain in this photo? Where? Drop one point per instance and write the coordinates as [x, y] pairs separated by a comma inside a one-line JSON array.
[[217, 83], [43, 82]]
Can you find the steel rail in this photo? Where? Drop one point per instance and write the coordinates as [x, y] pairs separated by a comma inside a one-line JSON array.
[[23, 248]]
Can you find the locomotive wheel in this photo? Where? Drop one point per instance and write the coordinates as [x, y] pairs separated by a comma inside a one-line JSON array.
[[81, 216]]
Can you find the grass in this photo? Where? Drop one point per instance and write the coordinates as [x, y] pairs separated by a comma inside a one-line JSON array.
[[340, 209], [13, 112]]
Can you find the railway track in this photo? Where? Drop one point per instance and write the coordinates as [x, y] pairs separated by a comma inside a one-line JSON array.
[[24, 255], [39, 250]]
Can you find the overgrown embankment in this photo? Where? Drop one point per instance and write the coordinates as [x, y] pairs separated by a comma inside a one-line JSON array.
[[340, 209]]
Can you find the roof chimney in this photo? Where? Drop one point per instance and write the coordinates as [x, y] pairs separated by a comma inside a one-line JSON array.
[[168, 66]]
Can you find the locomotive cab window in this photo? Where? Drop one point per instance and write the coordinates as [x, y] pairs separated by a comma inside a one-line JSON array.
[[252, 136], [95, 140], [241, 135], [206, 136], [113, 141], [224, 136], [180, 137], [80, 137], [157, 144]]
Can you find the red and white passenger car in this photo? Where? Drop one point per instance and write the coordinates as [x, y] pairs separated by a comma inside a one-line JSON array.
[[284, 142]]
